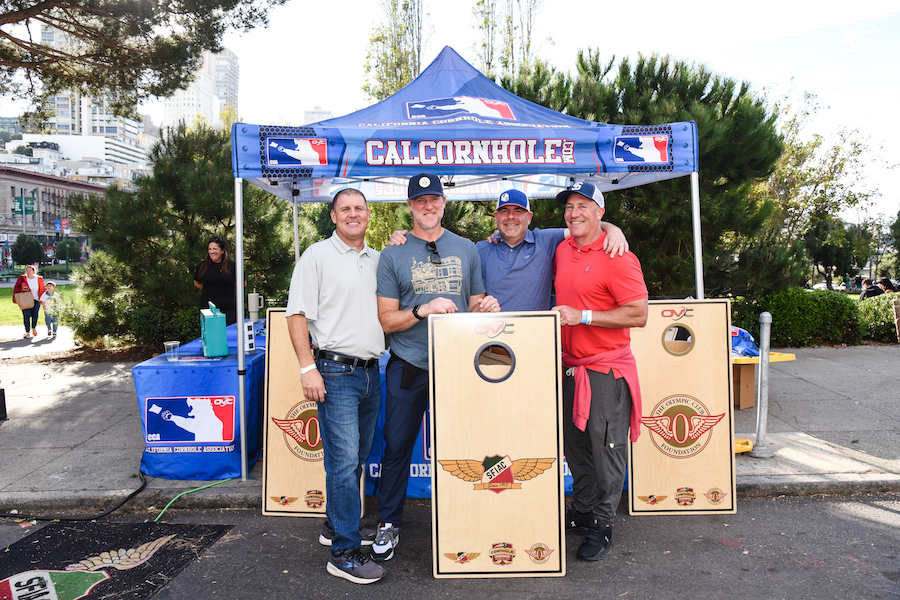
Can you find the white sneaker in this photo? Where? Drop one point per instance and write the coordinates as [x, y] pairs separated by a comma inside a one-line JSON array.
[[386, 540]]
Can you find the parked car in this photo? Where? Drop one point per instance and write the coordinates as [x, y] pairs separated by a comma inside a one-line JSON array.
[[835, 286]]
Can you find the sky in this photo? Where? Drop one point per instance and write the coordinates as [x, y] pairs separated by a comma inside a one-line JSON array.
[[313, 54], [846, 54]]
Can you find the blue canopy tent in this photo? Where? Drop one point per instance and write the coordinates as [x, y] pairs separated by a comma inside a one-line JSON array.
[[478, 137]]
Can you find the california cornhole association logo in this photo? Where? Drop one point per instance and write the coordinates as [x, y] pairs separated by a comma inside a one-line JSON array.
[[497, 473], [681, 426], [301, 433]]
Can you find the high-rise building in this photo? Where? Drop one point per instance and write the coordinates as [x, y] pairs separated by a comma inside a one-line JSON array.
[[74, 114], [228, 75], [214, 88]]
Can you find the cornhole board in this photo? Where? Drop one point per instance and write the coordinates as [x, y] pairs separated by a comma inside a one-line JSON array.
[[293, 459], [683, 461], [497, 446]]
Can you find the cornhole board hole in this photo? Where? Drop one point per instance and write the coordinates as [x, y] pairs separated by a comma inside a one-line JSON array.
[[683, 461], [497, 445], [293, 467]]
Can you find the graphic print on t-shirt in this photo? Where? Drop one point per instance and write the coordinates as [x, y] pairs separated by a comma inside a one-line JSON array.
[[445, 278]]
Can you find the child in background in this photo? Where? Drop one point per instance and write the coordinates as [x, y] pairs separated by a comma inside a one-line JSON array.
[[48, 301]]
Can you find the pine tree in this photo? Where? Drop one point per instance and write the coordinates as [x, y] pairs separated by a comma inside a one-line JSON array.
[[154, 237], [739, 144]]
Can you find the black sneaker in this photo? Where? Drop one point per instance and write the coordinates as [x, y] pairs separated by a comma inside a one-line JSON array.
[[577, 522], [327, 534], [354, 566], [597, 541]]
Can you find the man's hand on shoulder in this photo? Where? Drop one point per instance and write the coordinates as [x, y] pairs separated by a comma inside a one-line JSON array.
[[398, 238], [615, 243]]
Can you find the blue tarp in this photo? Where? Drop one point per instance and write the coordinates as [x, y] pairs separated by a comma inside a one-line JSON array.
[[457, 123]]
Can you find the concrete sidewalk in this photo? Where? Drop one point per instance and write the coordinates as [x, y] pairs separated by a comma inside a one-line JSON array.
[[73, 439]]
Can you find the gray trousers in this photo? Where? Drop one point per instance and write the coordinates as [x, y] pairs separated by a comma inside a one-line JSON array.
[[598, 455]]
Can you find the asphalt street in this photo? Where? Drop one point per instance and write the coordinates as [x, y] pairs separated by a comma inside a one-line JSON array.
[[797, 547]]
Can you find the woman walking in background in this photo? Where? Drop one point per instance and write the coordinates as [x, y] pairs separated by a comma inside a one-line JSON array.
[[33, 283]]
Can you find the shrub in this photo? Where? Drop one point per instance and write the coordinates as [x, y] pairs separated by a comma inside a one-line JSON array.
[[801, 317], [876, 318]]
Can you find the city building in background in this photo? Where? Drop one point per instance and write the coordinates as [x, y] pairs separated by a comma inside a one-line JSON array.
[[85, 148], [214, 88], [315, 115], [35, 204]]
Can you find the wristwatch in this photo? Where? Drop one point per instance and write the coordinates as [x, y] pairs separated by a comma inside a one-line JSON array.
[[416, 312]]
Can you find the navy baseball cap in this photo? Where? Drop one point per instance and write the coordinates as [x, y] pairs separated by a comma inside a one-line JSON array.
[[424, 184], [513, 197], [588, 190]]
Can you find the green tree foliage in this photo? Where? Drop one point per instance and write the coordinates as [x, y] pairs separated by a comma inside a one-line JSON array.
[[68, 249], [27, 250], [394, 57], [876, 318], [812, 180], [830, 247], [802, 317], [155, 236], [128, 49], [739, 144], [505, 28]]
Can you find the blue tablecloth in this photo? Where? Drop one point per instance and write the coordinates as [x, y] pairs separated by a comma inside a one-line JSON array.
[[189, 411]]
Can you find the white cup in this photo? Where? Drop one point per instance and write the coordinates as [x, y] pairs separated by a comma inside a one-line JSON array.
[[172, 351], [255, 303]]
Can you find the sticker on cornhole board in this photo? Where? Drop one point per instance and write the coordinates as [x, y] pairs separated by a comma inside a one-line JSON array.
[[190, 419], [683, 461], [293, 457], [105, 560], [497, 485]]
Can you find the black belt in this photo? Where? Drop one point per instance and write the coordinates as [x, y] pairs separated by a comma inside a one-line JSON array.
[[344, 359]]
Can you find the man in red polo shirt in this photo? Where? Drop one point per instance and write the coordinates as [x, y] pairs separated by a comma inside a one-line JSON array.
[[600, 299]]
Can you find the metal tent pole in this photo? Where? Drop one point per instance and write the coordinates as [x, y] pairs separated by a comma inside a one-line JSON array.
[[239, 292], [698, 247]]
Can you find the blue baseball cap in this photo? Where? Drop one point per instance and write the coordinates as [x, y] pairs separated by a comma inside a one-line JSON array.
[[513, 197], [588, 190], [424, 184]]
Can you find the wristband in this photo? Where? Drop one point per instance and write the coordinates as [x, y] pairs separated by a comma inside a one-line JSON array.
[[416, 312], [305, 370], [586, 316]]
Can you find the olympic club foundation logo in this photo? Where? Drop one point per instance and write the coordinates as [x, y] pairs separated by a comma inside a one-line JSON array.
[[681, 426], [540, 553], [715, 496], [301, 431]]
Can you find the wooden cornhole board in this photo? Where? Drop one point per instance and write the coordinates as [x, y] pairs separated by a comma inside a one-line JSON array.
[[497, 481], [294, 471], [683, 462]]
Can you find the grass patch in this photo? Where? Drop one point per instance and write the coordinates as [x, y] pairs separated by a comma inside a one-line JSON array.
[[11, 314]]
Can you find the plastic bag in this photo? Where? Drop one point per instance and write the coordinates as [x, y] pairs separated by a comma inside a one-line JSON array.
[[742, 342]]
